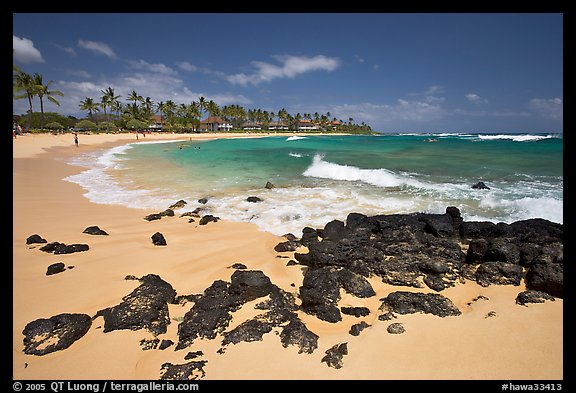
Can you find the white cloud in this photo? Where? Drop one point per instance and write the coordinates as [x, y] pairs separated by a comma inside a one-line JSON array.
[[25, 52], [97, 47], [150, 67], [290, 67], [476, 99], [187, 66], [402, 114], [552, 108]]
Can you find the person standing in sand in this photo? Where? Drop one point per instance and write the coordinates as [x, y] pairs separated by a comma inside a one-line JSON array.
[[76, 139]]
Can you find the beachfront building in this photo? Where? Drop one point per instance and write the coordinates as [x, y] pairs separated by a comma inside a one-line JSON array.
[[155, 123], [278, 125], [335, 124], [252, 126], [215, 123], [307, 125]]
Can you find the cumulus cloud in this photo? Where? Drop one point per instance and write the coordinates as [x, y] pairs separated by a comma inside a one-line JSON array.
[[289, 67], [402, 114], [187, 66], [150, 67], [97, 47], [25, 52], [476, 99], [552, 108]]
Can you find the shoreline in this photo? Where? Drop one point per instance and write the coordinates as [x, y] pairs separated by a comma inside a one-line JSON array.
[[196, 256]]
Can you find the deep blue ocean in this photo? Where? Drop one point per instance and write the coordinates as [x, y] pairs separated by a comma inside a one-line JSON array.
[[321, 178]]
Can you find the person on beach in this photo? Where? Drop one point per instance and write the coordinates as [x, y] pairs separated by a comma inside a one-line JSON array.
[[76, 139]]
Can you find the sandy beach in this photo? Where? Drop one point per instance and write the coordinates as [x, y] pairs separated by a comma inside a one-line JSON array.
[[516, 343]]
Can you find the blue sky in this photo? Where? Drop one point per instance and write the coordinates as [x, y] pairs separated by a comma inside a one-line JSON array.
[[429, 72]]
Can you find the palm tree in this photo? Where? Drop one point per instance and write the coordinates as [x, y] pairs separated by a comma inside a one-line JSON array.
[[116, 107], [202, 104], [160, 108], [89, 105], [147, 105], [23, 82], [169, 107], [109, 98], [213, 110], [194, 113], [43, 90]]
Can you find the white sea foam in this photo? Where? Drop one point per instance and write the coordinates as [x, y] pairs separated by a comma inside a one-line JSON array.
[[516, 137], [297, 155], [376, 177], [295, 138]]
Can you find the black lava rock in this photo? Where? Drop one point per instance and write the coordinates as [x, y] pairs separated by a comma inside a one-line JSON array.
[[55, 268], [335, 354], [158, 239], [95, 230], [44, 336], [480, 186], [146, 307], [33, 239]]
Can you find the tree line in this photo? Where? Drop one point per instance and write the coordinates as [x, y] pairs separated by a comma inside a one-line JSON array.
[[107, 112]]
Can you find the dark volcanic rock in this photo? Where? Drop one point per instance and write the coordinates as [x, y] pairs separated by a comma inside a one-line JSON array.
[[502, 250], [546, 277], [478, 230], [158, 239], [177, 205], [309, 235], [146, 307], [476, 250], [357, 328], [165, 344], [147, 345], [403, 302], [212, 312], [533, 296], [395, 328], [183, 372], [153, 216], [208, 218], [356, 311], [269, 185], [253, 199], [61, 248], [251, 330], [58, 267], [499, 273], [320, 292], [296, 333], [355, 284], [335, 354], [33, 239], [95, 230], [248, 285], [238, 266], [203, 201], [537, 230], [287, 246], [480, 186], [44, 336]]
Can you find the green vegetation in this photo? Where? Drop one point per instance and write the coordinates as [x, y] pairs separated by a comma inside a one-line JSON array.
[[139, 113]]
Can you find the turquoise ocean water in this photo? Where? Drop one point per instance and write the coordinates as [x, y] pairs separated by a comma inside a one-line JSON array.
[[321, 178]]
